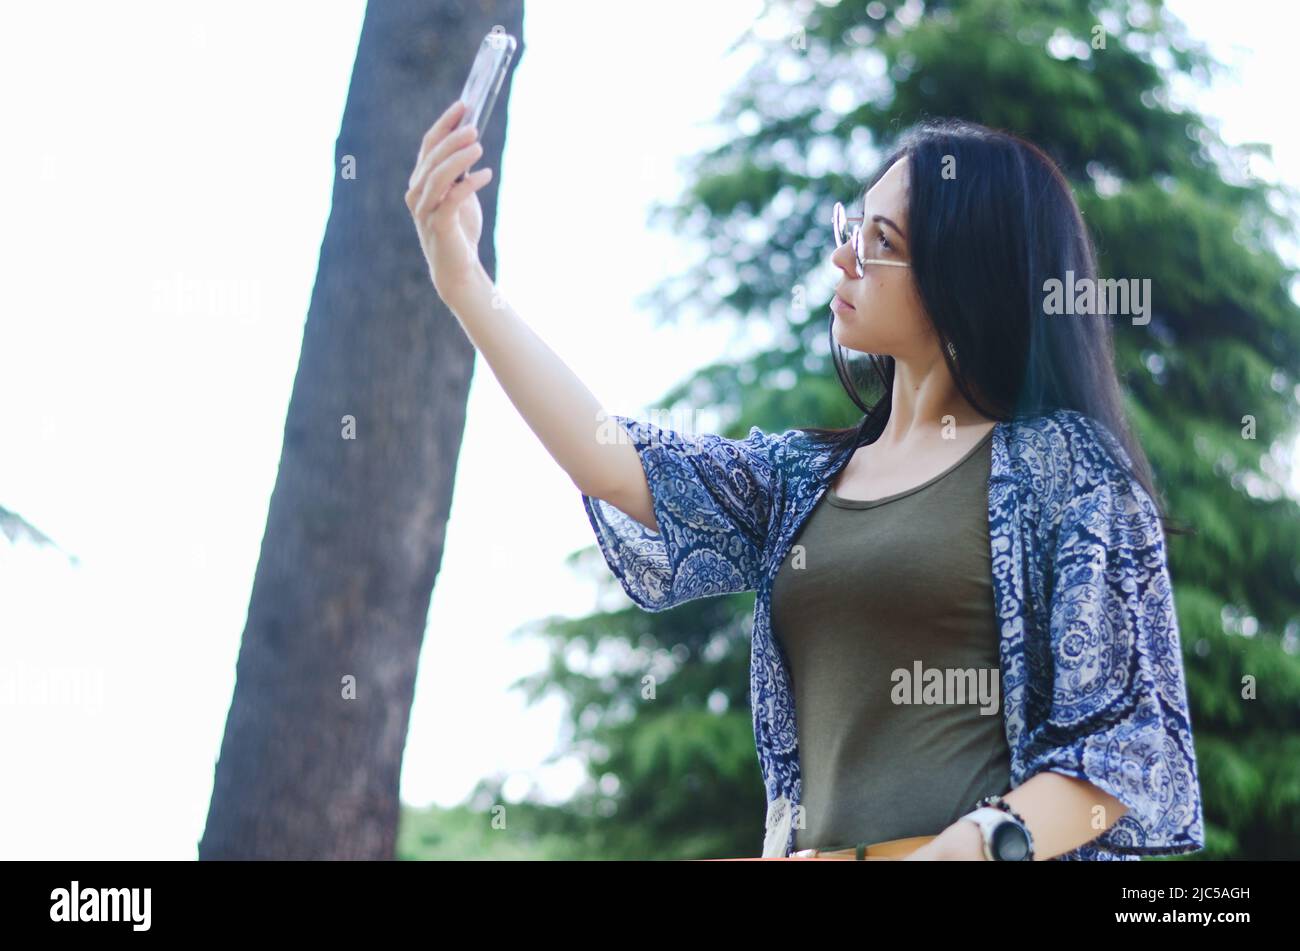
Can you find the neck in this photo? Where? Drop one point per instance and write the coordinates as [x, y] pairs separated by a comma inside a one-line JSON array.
[[924, 395]]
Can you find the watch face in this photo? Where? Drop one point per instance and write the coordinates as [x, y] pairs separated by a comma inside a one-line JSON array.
[[1010, 844]]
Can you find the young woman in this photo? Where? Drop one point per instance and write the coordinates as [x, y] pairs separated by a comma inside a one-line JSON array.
[[964, 644]]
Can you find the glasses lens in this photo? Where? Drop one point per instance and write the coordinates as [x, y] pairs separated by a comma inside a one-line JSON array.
[[839, 220]]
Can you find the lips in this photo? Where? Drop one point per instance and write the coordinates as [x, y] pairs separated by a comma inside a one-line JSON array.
[[842, 302]]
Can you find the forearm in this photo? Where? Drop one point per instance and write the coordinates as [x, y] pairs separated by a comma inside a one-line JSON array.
[[1062, 813], [552, 400]]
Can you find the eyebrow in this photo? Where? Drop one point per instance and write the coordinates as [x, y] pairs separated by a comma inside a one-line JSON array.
[[891, 224]]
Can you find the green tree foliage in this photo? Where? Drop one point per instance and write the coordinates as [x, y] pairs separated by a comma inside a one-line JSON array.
[[1166, 199]]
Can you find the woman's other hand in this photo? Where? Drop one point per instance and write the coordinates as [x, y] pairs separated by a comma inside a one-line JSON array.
[[960, 842]]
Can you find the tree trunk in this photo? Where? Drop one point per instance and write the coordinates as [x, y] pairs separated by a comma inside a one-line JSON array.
[[312, 753]]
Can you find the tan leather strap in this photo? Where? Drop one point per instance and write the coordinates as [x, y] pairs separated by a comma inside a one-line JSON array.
[[892, 849]]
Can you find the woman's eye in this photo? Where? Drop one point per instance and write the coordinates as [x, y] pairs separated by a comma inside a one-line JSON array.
[[884, 242]]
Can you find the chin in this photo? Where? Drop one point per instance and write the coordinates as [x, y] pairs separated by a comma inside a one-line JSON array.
[[845, 336]]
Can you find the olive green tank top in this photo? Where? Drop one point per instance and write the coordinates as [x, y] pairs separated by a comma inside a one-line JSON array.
[[885, 611]]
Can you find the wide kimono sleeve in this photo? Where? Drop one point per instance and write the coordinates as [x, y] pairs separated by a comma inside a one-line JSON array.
[[1119, 716], [713, 499]]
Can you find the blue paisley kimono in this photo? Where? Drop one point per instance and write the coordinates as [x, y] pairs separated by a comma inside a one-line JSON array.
[[1092, 676]]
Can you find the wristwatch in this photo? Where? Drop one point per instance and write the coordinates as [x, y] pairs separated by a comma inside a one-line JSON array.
[[1005, 837]]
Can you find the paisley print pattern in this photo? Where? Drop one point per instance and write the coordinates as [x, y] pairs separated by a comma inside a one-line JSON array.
[[1092, 677]]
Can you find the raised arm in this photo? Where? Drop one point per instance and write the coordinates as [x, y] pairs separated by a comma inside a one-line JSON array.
[[556, 405], [563, 413]]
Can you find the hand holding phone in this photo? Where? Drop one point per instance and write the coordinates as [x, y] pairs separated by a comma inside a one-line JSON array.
[[446, 213], [447, 216]]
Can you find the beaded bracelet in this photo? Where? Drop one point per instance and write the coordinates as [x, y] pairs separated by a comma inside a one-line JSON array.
[[997, 802]]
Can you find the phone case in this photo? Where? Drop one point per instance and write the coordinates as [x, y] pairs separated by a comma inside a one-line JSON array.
[[485, 79]]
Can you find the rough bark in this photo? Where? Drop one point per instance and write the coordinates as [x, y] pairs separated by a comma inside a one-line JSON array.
[[355, 528]]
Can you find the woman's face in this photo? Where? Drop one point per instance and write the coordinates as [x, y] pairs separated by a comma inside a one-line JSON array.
[[886, 315]]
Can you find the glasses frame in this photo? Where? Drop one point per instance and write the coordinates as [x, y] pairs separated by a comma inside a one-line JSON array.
[[840, 219]]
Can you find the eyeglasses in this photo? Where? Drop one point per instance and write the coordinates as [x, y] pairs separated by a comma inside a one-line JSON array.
[[839, 221]]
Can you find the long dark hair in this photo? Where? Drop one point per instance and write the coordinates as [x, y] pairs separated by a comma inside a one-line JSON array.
[[984, 238]]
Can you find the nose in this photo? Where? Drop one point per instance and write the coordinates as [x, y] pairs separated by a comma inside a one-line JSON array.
[[843, 258]]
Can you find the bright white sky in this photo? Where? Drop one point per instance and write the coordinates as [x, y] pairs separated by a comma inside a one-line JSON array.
[[161, 151]]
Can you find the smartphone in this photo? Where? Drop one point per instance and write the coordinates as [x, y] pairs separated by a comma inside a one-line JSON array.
[[485, 79]]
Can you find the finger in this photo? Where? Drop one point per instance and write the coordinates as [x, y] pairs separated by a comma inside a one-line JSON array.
[[454, 140], [441, 126], [439, 210], [459, 192], [441, 178], [449, 208], [447, 129], [421, 177]]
